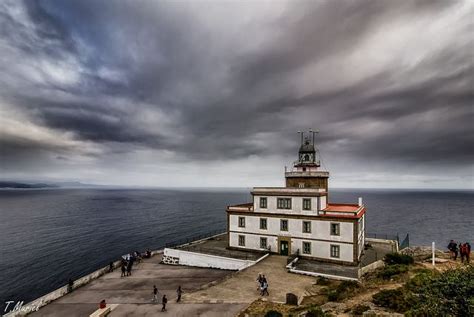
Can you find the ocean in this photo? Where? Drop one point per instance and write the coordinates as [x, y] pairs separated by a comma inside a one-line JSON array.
[[50, 235]]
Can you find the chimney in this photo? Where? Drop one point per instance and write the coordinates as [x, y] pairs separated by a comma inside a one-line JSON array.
[[360, 201]]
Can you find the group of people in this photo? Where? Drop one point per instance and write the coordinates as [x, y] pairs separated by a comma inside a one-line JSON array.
[[262, 285], [463, 249], [128, 261], [164, 299]]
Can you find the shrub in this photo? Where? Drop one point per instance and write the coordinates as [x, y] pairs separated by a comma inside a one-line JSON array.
[[317, 312], [397, 258], [333, 296], [347, 286], [342, 291], [433, 294], [391, 270], [392, 298], [358, 310], [273, 313], [324, 281]]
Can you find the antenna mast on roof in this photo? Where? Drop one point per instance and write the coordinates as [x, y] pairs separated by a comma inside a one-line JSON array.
[[301, 133], [313, 132]]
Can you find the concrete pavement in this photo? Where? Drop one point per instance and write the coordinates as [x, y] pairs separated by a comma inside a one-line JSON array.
[[134, 293]]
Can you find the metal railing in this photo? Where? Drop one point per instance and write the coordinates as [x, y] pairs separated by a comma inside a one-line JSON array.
[[384, 236], [201, 236]]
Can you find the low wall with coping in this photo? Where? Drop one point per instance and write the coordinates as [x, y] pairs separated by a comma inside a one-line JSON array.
[[371, 267], [205, 260], [334, 277], [393, 243]]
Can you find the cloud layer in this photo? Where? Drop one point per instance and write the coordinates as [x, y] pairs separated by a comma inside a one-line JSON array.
[[211, 93]]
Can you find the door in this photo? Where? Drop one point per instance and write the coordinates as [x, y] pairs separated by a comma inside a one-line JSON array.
[[283, 247]]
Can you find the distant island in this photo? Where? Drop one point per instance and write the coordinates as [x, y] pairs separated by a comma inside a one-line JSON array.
[[32, 185]]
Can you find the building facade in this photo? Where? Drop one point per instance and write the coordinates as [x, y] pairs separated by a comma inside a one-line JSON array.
[[298, 218]]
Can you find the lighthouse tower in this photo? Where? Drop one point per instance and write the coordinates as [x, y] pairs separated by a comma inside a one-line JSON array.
[[306, 172]]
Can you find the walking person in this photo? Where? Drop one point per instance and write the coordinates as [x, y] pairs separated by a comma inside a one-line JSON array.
[[164, 300], [259, 281], [123, 270], [455, 251], [155, 294], [468, 252], [111, 267], [264, 286], [451, 247], [179, 291], [70, 285], [462, 250], [129, 267]]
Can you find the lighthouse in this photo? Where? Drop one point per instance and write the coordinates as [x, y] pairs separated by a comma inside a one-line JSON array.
[[297, 218]]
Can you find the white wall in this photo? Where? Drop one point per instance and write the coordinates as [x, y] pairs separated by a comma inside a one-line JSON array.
[[324, 202], [320, 229], [252, 241], [319, 249], [207, 260], [296, 205]]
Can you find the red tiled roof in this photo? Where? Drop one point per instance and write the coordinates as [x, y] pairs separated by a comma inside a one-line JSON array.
[[352, 211], [342, 207]]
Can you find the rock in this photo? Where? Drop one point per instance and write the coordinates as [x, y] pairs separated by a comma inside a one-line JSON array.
[[377, 313], [333, 306], [422, 253]]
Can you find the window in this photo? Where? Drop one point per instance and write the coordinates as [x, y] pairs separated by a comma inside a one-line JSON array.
[[284, 203], [306, 226], [263, 202], [284, 225], [335, 251], [241, 222], [242, 241], [301, 185], [306, 247], [263, 243], [306, 204], [263, 223], [335, 230]]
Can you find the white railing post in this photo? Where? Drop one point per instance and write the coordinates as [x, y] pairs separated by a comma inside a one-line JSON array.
[[433, 253]]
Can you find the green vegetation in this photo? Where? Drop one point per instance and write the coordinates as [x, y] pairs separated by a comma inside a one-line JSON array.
[[433, 294], [397, 258], [389, 271], [273, 313], [358, 310], [317, 312], [344, 290], [323, 281]]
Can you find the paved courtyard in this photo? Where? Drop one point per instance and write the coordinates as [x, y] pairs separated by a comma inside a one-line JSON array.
[[134, 293], [241, 287]]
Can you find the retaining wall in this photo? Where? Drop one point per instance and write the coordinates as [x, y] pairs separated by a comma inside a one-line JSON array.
[[181, 257], [371, 267]]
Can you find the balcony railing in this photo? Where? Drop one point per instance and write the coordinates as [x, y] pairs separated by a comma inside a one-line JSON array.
[[241, 207], [307, 173]]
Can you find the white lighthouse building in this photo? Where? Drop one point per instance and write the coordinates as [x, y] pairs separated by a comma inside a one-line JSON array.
[[298, 218]]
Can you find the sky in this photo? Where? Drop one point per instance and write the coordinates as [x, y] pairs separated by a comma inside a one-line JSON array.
[[212, 93]]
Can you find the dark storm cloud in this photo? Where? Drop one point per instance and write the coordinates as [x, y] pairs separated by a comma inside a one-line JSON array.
[[205, 82]]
